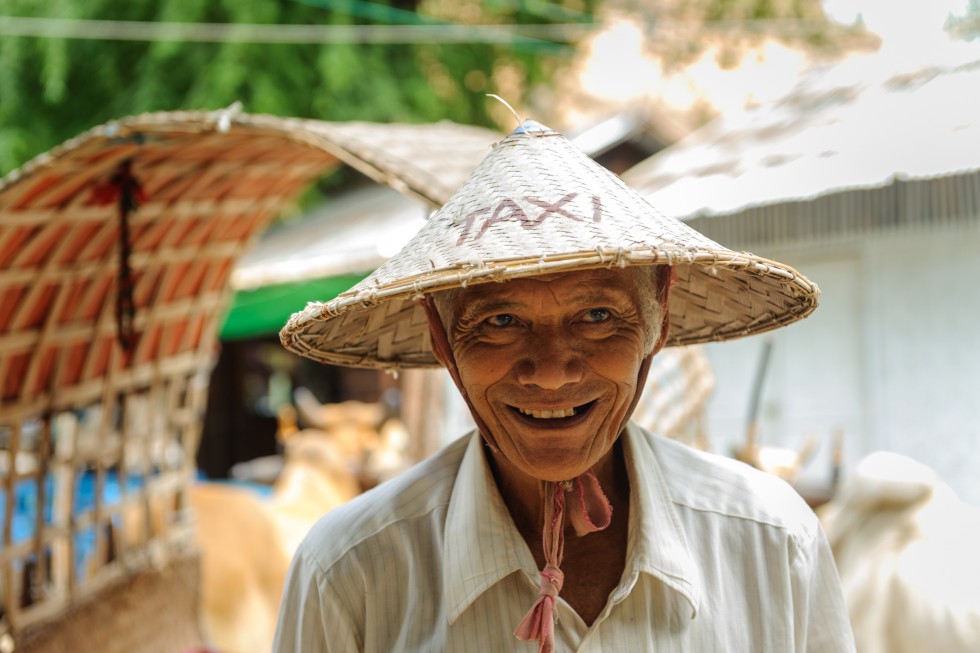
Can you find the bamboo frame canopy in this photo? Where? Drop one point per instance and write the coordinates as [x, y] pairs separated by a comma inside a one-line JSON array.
[[866, 143], [116, 250], [210, 181]]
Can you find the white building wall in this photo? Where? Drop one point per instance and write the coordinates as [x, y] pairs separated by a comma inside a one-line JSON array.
[[891, 356], [928, 358]]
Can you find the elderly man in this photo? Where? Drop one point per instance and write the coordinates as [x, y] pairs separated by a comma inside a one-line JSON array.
[[545, 286]]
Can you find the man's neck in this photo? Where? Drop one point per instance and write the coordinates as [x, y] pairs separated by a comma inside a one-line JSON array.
[[593, 564], [524, 495]]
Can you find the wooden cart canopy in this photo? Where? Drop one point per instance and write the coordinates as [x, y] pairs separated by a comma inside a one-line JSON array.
[[193, 189], [116, 253]]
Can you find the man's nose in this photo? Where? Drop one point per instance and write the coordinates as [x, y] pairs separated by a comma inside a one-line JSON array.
[[550, 362]]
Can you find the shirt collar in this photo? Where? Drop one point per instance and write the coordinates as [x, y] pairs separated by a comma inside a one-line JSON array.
[[658, 544], [483, 546]]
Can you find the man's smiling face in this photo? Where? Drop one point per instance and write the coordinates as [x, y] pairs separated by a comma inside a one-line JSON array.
[[550, 365]]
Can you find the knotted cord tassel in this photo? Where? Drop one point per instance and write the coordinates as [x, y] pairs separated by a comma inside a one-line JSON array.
[[539, 622], [592, 513]]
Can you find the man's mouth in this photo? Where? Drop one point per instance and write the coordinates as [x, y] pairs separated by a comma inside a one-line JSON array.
[[559, 416]]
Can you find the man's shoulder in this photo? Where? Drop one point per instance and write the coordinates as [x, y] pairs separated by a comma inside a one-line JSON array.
[[420, 491], [707, 482]]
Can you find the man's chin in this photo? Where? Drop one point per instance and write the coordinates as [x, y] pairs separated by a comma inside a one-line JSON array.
[[546, 452], [556, 464]]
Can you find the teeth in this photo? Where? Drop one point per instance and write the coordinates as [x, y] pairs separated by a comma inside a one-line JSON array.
[[549, 414]]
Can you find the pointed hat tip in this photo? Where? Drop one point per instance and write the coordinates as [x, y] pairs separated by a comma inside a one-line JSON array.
[[532, 127]]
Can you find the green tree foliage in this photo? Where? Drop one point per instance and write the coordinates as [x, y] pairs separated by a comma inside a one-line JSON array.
[[53, 88]]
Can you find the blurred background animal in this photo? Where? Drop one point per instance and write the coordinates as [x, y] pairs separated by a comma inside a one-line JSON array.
[[247, 539], [785, 463], [375, 441], [906, 547], [243, 567]]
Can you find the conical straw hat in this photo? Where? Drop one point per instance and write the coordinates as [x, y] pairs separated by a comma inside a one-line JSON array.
[[538, 205]]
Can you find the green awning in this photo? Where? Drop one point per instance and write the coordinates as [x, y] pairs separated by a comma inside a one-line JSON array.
[[263, 311]]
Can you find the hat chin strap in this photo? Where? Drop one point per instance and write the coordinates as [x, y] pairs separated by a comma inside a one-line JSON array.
[[592, 512]]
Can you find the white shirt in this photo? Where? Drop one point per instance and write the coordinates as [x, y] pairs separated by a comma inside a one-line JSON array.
[[721, 557]]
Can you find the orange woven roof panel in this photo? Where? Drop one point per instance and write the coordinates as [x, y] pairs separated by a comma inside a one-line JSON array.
[[116, 247]]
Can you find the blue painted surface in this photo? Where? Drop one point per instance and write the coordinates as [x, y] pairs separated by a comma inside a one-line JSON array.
[[26, 505]]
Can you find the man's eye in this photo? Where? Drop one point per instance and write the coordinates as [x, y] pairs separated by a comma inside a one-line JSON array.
[[597, 315], [502, 320]]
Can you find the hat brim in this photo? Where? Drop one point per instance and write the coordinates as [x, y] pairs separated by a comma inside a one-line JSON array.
[[713, 298]]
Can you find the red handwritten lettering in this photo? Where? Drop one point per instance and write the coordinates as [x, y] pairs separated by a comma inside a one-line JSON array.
[[515, 213], [508, 209], [468, 224], [554, 208]]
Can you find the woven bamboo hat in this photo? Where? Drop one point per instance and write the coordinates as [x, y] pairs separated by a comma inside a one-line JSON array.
[[538, 205]]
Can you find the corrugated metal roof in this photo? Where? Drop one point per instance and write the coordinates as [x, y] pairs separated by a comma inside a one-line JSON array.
[[859, 134]]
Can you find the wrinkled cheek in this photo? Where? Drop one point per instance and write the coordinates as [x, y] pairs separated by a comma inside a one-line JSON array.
[[479, 403], [626, 393]]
